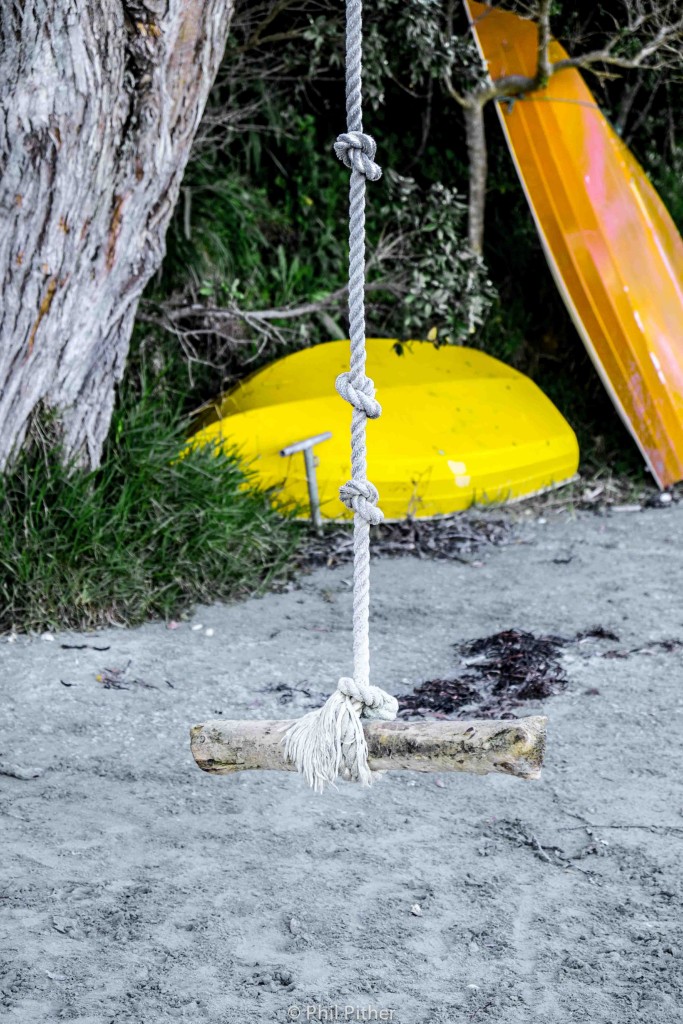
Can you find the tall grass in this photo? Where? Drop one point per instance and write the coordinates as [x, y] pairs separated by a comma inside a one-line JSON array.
[[144, 536]]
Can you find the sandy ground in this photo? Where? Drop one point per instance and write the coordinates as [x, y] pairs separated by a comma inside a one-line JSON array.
[[136, 889]]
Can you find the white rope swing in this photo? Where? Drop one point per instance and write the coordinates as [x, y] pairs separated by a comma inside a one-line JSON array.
[[329, 742]]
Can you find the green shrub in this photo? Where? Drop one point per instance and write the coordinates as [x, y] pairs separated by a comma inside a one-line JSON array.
[[145, 536]]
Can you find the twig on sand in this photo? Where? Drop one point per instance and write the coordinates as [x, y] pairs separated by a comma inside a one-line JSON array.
[[665, 829]]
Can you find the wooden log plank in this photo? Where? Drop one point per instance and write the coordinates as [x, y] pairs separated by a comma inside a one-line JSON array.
[[511, 747]]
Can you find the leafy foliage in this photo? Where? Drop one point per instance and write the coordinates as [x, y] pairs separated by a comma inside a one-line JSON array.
[[145, 535], [266, 223], [421, 275]]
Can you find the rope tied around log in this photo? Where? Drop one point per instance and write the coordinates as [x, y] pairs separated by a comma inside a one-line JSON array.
[[329, 742]]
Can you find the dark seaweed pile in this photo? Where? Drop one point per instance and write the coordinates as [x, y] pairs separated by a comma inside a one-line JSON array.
[[498, 674], [501, 672]]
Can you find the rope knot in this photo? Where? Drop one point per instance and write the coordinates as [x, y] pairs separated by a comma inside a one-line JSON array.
[[360, 394], [375, 702], [362, 497], [329, 742], [357, 151]]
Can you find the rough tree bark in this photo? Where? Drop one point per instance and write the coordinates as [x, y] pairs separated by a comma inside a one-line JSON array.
[[477, 155], [99, 104]]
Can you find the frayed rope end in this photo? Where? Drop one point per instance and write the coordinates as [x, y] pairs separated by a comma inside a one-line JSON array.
[[329, 743]]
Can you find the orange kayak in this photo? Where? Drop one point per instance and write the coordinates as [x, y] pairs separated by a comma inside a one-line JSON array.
[[613, 249]]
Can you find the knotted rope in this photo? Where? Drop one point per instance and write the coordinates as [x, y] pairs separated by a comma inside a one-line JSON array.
[[329, 742]]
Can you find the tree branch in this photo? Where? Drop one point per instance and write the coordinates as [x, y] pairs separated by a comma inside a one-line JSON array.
[[657, 52], [543, 65], [196, 309], [256, 38]]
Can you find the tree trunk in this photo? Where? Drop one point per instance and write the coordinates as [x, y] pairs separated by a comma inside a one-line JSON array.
[[99, 104], [478, 173]]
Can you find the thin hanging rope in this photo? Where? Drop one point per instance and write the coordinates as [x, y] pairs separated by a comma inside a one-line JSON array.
[[330, 741]]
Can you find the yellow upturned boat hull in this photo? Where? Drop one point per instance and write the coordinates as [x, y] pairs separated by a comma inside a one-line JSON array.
[[458, 427], [615, 252]]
